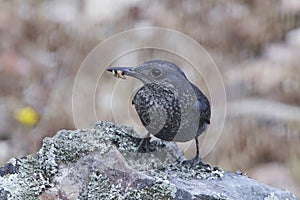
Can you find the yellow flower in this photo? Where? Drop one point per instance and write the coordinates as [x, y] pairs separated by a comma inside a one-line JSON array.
[[27, 116]]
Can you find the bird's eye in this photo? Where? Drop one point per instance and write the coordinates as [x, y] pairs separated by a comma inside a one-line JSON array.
[[156, 72]]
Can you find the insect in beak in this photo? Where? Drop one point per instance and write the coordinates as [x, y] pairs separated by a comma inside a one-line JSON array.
[[118, 74]]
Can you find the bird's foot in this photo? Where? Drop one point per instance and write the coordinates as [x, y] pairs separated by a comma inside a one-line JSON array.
[[194, 162], [144, 145]]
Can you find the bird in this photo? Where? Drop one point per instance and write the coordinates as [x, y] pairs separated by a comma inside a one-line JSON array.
[[169, 106]]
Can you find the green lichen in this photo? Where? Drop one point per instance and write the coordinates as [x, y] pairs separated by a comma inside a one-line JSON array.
[[185, 171], [271, 196], [68, 146], [161, 189], [102, 187], [212, 197], [35, 173], [28, 183]]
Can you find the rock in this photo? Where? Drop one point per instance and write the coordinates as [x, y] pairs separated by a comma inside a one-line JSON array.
[[102, 162]]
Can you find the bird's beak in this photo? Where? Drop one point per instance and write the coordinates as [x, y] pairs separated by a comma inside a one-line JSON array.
[[120, 72]]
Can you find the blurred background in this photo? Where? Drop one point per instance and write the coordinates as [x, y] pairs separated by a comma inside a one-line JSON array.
[[255, 44]]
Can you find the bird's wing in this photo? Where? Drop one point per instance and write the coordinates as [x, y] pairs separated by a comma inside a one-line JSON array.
[[203, 105]]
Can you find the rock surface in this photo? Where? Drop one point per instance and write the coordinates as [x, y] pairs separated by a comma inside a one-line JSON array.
[[102, 162]]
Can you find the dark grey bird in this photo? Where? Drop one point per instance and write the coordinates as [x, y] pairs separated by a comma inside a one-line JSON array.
[[169, 106]]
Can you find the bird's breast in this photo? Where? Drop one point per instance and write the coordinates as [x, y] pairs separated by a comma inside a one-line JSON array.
[[164, 113]]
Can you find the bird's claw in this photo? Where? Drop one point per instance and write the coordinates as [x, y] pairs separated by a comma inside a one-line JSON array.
[[144, 145], [194, 162]]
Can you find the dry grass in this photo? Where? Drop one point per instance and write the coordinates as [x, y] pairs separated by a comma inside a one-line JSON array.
[[44, 43]]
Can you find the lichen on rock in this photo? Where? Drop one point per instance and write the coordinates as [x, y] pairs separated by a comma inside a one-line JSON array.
[[103, 162]]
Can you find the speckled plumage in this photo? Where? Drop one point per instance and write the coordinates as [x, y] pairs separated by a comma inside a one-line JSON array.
[[161, 101], [169, 105]]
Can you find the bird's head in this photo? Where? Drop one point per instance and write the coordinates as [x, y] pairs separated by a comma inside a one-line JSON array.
[[155, 71]]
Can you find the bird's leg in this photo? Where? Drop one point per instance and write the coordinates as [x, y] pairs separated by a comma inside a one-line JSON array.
[[196, 160], [197, 157], [144, 145]]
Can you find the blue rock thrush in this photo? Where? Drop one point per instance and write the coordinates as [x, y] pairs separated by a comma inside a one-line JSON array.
[[169, 106]]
